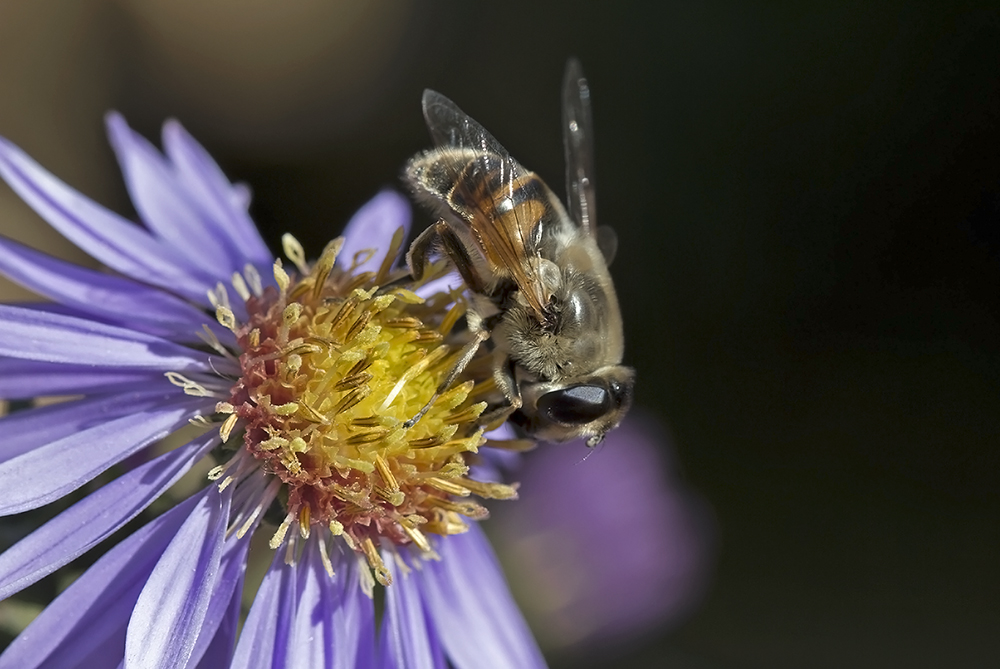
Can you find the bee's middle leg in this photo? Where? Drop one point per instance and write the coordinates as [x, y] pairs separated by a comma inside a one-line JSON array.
[[503, 376]]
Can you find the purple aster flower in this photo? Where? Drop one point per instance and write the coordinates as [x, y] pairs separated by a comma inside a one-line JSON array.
[[597, 569], [296, 381]]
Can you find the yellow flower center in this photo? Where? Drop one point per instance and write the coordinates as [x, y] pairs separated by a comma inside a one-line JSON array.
[[332, 367]]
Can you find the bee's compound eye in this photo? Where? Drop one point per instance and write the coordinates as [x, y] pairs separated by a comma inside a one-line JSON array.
[[575, 405]]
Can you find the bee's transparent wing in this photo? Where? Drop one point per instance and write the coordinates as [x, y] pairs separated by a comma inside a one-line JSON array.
[[501, 200], [578, 138], [450, 126]]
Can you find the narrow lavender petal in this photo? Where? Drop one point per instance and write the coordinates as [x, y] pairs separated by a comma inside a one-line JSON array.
[[353, 618], [171, 607], [442, 284], [219, 652], [24, 379], [107, 237], [30, 428], [217, 639], [312, 642], [225, 203], [94, 518], [184, 335], [407, 640], [495, 462], [471, 608], [85, 625], [334, 621], [48, 337], [112, 298], [61, 310], [241, 196], [166, 207], [624, 593], [30, 481], [372, 227], [265, 633], [287, 603]]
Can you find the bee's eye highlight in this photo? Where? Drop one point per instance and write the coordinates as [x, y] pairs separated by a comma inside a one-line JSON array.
[[576, 405]]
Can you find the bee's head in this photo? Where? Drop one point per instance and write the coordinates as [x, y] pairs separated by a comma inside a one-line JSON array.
[[587, 407]]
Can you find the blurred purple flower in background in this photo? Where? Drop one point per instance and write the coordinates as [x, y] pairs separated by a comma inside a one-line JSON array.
[[297, 386], [604, 549]]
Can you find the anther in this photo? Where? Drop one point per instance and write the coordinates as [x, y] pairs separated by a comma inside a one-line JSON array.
[[324, 557], [304, 525], [382, 574], [279, 535], [226, 318], [383, 470], [253, 279], [240, 286], [227, 427], [293, 251], [280, 275]]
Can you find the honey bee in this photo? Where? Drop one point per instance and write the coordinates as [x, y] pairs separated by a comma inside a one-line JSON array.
[[540, 290]]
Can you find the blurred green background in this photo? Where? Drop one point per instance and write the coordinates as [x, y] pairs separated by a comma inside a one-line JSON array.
[[807, 196]]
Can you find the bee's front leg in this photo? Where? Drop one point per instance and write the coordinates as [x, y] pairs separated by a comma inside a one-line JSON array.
[[452, 247], [418, 255], [465, 356]]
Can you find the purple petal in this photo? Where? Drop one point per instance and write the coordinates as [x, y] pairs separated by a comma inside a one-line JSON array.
[[334, 620], [226, 204], [266, 632], [112, 298], [612, 590], [23, 379], [85, 625], [37, 335], [94, 518], [165, 206], [107, 237], [372, 227], [219, 653], [442, 284], [30, 481], [171, 608], [217, 639], [472, 610], [30, 428], [353, 618], [240, 197], [496, 462], [312, 642], [408, 640]]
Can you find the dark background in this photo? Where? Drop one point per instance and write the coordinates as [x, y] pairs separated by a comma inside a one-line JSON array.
[[807, 197]]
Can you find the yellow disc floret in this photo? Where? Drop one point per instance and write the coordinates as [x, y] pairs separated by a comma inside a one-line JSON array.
[[333, 366]]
